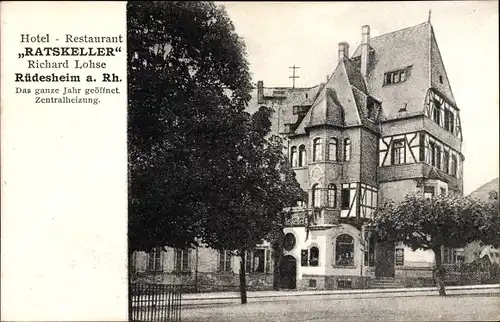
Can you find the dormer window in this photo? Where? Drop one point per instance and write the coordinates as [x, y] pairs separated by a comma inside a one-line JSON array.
[[372, 107], [397, 76]]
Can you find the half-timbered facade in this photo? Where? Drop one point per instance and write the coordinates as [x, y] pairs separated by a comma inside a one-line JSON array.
[[385, 124]]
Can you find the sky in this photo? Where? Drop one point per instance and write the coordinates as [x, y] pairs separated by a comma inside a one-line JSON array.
[[279, 35]]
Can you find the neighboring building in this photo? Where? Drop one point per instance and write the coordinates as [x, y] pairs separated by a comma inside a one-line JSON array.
[[385, 124], [474, 251]]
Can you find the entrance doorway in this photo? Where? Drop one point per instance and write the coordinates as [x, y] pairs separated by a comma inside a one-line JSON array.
[[288, 272], [384, 259]]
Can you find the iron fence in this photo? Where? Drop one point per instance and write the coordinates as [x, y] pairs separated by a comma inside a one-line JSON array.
[[155, 302]]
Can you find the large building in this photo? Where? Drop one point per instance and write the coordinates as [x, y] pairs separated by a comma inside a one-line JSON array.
[[385, 124]]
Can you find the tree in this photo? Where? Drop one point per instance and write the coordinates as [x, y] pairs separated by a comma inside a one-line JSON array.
[[200, 167], [256, 200], [432, 223], [188, 84], [490, 221]]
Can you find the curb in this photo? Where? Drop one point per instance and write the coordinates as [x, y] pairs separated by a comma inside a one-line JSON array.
[[343, 294]]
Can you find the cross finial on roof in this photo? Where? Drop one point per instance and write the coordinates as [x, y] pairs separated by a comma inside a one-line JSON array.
[[429, 19]]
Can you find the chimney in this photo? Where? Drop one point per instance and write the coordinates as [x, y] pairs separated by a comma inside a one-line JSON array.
[[260, 92], [365, 46], [343, 50]]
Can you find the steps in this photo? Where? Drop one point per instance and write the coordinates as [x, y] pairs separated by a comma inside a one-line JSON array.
[[385, 282]]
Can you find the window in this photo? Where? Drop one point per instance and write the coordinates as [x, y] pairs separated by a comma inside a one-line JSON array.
[[428, 191], [332, 196], [446, 161], [370, 252], [347, 149], [450, 256], [293, 156], [317, 149], [313, 256], [259, 261], [345, 199], [436, 114], [451, 125], [301, 203], [453, 170], [304, 257], [332, 152], [371, 109], [316, 196], [443, 191], [181, 260], [444, 114], [309, 257], [441, 79], [397, 76], [369, 201], [154, 259], [398, 153], [344, 250], [432, 146], [449, 120], [289, 242], [438, 157], [224, 261], [302, 155]]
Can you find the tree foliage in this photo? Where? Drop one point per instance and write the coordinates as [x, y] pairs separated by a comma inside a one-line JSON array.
[[431, 223], [200, 167], [259, 188], [188, 83]]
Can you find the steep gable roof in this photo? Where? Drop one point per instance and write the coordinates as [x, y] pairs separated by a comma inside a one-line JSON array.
[[398, 50], [336, 104], [439, 77], [483, 192]]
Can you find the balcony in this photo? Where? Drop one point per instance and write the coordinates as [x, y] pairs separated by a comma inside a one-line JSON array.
[[319, 217]]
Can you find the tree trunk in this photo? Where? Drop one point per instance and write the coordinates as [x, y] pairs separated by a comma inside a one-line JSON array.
[[439, 271], [243, 282], [277, 254]]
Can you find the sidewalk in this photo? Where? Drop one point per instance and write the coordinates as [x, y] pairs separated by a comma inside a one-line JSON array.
[[221, 298]]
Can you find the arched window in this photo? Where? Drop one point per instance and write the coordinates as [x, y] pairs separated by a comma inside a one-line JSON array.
[[315, 196], [313, 256], [332, 152], [317, 149], [302, 155], [293, 156], [347, 149], [332, 196], [344, 250]]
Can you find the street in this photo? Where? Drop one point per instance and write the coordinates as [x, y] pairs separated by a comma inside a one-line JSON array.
[[322, 308]]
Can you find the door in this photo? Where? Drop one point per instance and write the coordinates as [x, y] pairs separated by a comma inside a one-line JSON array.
[[384, 259], [288, 272]]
